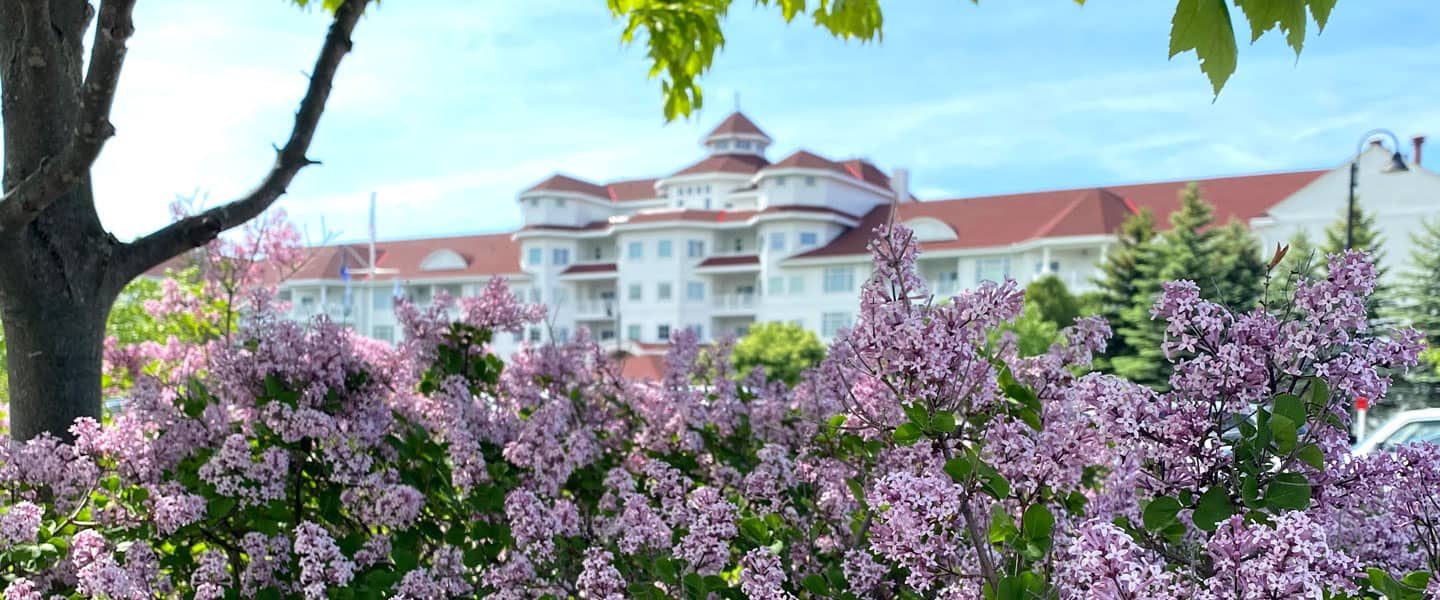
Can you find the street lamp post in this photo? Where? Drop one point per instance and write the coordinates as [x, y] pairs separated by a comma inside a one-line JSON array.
[[1397, 165]]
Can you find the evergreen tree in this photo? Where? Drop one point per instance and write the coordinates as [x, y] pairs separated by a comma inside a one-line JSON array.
[[1420, 289], [1117, 282], [1223, 261], [1302, 262], [1049, 296], [1367, 238]]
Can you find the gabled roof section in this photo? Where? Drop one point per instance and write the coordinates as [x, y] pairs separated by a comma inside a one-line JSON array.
[[992, 221], [737, 124], [631, 190], [561, 182], [866, 171], [745, 164], [1242, 197], [490, 254], [804, 159]]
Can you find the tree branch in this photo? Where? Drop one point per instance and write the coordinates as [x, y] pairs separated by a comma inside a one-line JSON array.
[[54, 178], [198, 230]]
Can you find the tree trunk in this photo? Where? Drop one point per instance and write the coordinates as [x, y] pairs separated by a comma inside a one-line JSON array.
[[55, 282]]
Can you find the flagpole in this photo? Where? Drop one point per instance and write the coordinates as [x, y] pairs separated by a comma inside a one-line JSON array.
[[372, 235]]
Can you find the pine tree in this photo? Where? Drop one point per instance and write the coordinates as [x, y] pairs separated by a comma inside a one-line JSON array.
[[1238, 275], [1420, 289], [1367, 238], [1117, 282], [1223, 261], [1302, 262]]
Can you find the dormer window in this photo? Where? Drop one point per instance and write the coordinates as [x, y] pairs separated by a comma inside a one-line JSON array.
[[722, 145], [742, 144], [443, 260], [780, 181], [559, 203], [810, 180]]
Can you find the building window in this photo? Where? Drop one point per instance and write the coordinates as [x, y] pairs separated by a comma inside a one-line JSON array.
[[948, 282], [797, 284], [809, 238], [742, 145], [695, 248], [381, 300], [597, 253], [420, 294], [775, 286], [839, 279], [534, 256], [695, 290], [663, 249], [777, 240], [662, 291], [564, 334], [453, 289], [722, 145], [560, 256], [635, 291], [810, 180], [739, 245], [697, 329], [636, 250], [559, 203], [607, 334], [662, 333], [632, 333], [534, 334], [780, 180], [832, 323], [284, 295], [384, 333], [992, 269], [1054, 266]]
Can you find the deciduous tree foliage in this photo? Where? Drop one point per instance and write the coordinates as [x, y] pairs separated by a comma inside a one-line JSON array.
[[1052, 299], [60, 270], [783, 350]]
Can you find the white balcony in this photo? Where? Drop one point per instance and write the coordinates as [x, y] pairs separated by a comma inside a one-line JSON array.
[[595, 310], [735, 303]]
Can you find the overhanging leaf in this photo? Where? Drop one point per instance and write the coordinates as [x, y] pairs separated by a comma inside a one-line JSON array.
[[1204, 26]]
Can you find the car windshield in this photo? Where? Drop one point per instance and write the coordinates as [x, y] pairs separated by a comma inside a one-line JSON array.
[[1419, 431]]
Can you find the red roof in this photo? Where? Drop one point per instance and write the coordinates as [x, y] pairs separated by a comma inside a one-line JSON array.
[[729, 261], [1242, 197], [643, 366], [864, 170], [491, 254], [565, 183], [590, 268], [736, 124], [803, 159], [746, 164], [1013, 218], [633, 189]]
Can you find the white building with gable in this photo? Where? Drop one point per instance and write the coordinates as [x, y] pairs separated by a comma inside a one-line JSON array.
[[735, 239]]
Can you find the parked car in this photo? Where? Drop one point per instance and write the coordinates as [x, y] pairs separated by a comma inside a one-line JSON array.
[[1421, 425]]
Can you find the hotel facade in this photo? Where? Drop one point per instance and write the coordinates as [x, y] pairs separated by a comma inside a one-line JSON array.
[[736, 239]]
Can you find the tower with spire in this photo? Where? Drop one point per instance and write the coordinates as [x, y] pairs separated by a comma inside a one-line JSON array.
[[737, 134]]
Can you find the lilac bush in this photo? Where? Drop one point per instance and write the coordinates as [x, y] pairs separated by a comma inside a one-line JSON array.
[[924, 458]]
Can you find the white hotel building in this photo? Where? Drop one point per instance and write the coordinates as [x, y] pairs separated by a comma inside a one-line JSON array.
[[735, 239]]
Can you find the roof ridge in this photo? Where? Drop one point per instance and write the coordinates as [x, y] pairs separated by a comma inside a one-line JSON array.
[[1063, 213]]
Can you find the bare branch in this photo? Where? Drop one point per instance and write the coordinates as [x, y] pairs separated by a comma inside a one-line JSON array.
[[59, 175], [197, 230]]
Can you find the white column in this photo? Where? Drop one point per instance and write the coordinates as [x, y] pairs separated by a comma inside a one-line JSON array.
[[324, 304], [1044, 260]]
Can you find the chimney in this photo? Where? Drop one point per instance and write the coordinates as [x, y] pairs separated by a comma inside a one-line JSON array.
[[900, 184], [1419, 141], [1376, 143]]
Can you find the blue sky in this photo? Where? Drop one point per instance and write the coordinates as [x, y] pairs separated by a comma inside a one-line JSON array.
[[447, 108]]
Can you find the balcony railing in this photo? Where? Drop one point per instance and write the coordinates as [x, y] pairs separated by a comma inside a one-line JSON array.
[[735, 301], [593, 309]]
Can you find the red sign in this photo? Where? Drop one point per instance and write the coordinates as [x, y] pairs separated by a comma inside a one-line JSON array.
[[1362, 403]]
